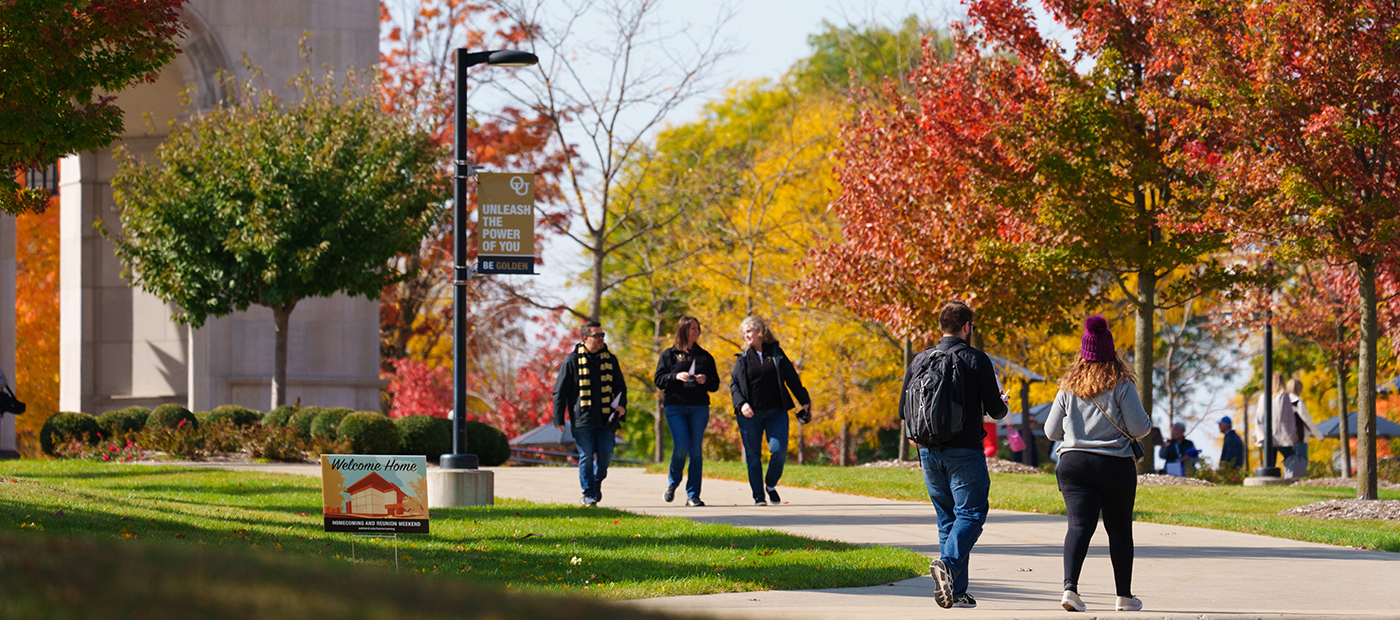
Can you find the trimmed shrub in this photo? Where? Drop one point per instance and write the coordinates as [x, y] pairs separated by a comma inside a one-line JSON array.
[[202, 417], [236, 415], [169, 416], [425, 435], [369, 432], [123, 421], [278, 417], [487, 442], [303, 418], [66, 426], [325, 424]]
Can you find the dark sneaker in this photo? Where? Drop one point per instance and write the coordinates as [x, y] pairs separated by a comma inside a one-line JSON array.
[[966, 601], [773, 497], [669, 495], [694, 502], [760, 502], [942, 584]]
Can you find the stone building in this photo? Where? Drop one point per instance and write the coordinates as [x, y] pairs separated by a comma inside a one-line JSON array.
[[118, 346]]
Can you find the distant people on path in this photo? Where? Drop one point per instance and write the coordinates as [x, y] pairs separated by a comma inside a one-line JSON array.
[[1097, 414], [955, 472], [1291, 426], [1232, 447], [759, 384], [1305, 427], [1179, 453], [686, 375], [592, 391]]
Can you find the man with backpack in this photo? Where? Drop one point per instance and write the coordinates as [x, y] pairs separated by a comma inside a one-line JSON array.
[[947, 390]]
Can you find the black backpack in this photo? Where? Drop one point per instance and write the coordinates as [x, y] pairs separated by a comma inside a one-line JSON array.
[[933, 397]]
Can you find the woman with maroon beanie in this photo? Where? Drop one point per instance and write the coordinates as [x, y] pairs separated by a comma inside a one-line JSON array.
[[1097, 414]]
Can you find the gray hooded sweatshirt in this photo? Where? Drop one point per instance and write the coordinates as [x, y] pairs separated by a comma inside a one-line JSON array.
[[1082, 426]]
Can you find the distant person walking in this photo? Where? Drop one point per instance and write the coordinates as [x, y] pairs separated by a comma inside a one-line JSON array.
[[955, 472], [1231, 447], [1285, 433], [1305, 428], [592, 392], [1179, 452], [1097, 414], [759, 384], [686, 375]]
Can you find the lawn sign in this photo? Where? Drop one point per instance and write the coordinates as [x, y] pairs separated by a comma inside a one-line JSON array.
[[375, 494]]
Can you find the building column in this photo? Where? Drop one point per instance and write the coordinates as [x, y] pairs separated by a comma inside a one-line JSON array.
[[79, 190]]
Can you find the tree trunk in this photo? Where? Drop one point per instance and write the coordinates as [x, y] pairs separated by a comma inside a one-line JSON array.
[[660, 452], [1366, 382], [281, 317], [845, 441], [801, 444], [1142, 349], [902, 454], [595, 293], [1345, 434]]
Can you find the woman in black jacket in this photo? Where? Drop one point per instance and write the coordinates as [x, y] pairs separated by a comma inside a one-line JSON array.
[[686, 374], [759, 384]]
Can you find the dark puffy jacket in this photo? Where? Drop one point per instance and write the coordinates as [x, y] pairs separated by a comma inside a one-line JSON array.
[[674, 361], [566, 396], [787, 376]]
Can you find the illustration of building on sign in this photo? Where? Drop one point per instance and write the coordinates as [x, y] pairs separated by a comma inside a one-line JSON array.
[[374, 496]]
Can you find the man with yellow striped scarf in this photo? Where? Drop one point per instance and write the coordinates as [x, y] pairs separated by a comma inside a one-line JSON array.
[[592, 391]]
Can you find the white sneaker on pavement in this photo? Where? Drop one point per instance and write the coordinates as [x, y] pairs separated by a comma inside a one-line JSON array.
[[1071, 601], [1128, 603]]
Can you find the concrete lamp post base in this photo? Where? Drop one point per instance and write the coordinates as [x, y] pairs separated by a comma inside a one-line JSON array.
[[1267, 481], [455, 488]]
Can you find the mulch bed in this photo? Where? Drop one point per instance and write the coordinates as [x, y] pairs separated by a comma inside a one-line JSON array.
[[1343, 482], [1388, 510]]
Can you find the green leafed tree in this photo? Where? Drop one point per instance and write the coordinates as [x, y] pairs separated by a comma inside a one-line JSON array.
[[58, 59], [268, 202]]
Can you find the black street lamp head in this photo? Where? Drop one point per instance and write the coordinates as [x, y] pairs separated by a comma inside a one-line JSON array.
[[496, 58], [512, 58]]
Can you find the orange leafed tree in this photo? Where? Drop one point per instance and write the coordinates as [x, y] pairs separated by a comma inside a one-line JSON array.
[[36, 322]]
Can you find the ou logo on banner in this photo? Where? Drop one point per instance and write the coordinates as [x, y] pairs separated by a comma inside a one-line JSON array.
[[519, 185]]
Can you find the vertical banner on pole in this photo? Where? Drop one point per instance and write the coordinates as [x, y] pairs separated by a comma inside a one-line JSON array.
[[505, 225]]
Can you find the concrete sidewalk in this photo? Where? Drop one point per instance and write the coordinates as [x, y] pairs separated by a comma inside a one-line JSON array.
[[1016, 567]]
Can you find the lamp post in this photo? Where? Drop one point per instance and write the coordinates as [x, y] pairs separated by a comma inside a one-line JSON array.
[[1266, 467], [462, 272]]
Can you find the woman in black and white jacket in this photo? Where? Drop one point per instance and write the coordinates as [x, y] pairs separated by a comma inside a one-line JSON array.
[[686, 375], [759, 383]]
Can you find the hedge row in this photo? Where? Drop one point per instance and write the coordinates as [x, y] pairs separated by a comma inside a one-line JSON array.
[[361, 432]]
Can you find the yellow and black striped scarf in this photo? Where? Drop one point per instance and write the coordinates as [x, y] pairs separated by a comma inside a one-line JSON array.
[[587, 374]]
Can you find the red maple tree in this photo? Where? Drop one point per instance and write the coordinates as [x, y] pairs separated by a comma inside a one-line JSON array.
[[1295, 107]]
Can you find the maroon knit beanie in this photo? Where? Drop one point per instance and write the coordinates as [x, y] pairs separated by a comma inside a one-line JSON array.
[[1097, 344]]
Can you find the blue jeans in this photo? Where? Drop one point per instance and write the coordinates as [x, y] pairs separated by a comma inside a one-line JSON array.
[[957, 484], [774, 423], [687, 424], [595, 452]]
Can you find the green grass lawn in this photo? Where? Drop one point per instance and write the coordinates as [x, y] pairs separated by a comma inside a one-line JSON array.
[[1235, 508], [515, 545]]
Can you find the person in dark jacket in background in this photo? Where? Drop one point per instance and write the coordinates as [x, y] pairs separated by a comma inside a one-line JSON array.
[[1179, 453], [955, 473], [759, 385], [592, 391], [1232, 447], [686, 375]]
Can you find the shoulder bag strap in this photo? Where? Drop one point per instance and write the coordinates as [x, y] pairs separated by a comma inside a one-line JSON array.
[[1110, 419]]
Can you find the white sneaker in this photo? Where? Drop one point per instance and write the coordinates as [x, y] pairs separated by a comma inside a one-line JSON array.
[[1071, 601], [1128, 603]]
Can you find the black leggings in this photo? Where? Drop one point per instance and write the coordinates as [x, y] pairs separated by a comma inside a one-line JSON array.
[[1092, 483]]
